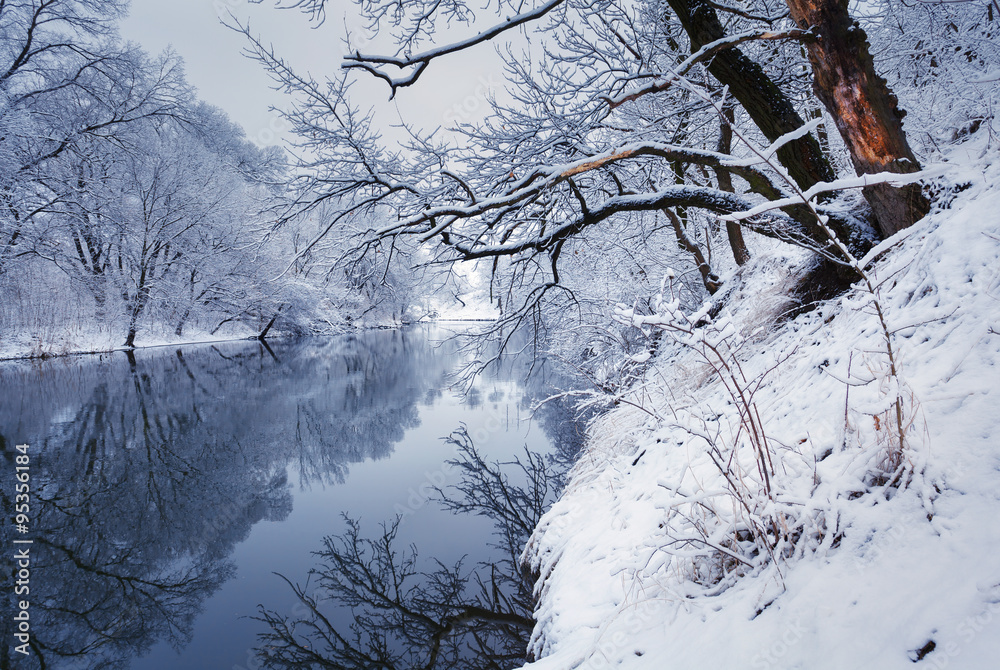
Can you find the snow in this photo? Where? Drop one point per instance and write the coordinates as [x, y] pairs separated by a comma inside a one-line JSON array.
[[860, 181], [96, 339], [877, 571]]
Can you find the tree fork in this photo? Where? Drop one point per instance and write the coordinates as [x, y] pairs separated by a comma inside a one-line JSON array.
[[866, 112], [767, 105], [708, 277]]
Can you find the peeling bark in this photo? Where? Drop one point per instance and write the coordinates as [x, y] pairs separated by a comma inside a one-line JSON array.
[[771, 110], [866, 112]]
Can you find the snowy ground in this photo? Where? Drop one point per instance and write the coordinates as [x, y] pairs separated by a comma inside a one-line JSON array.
[[646, 561], [83, 341], [85, 336]]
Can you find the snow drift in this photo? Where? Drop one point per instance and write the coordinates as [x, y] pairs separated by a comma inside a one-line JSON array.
[[769, 508]]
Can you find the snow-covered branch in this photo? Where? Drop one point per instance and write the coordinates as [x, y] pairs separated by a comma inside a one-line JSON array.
[[701, 55], [419, 62], [861, 181]]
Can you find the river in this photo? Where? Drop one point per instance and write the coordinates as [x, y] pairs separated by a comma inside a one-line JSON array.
[[168, 486]]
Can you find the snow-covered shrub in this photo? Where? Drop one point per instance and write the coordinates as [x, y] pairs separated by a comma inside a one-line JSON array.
[[738, 522]]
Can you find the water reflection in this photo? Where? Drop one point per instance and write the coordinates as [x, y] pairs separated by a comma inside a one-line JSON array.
[[373, 603], [148, 469]]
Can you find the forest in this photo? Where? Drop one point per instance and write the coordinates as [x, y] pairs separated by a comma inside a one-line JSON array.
[[631, 138], [761, 235], [133, 210]]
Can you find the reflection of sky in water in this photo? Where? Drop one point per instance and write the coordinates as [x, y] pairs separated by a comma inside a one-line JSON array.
[[373, 491], [237, 458]]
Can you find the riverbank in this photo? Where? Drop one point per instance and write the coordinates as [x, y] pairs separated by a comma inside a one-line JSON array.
[[30, 351], [38, 351], [91, 339], [800, 500]]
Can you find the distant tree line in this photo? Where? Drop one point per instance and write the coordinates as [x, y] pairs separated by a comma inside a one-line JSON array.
[[130, 208]]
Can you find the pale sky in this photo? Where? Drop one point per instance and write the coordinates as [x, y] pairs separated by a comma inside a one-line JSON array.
[[225, 78]]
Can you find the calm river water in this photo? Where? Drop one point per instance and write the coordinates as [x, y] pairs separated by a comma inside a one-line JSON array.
[[168, 488]]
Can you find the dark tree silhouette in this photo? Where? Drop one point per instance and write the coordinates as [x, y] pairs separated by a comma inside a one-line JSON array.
[[407, 616]]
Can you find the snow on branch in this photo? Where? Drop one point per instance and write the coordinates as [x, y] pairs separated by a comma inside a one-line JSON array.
[[703, 54], [861, 181], [672, 196], [746, 15], [419, 62], [545, 178], [767, 154]]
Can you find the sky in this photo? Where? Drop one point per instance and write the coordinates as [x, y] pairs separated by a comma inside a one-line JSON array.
[[448, 91]]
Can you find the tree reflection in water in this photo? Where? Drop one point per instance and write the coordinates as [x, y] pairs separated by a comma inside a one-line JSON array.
[[409, 614], [148, 469]]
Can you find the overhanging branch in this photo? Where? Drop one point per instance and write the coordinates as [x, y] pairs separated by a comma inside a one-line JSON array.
[[709, 199], [703, 54], [419, 62]]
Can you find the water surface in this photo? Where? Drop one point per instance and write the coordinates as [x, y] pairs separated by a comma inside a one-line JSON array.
[[170, 485]]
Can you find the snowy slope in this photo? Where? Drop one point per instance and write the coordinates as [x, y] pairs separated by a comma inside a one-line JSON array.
[[645, 562]]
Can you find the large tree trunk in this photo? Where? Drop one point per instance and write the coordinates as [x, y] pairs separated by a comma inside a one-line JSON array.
[[866, 112], [771, 110]]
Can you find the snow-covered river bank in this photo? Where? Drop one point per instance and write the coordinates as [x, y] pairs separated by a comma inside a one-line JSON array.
[[835, 547]]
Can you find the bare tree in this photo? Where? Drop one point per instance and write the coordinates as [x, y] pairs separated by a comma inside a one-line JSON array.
[[66, 80], [612, 122]]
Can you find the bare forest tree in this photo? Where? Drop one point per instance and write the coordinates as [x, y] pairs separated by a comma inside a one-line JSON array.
[[66, 80], [629, 113], [138, 206]]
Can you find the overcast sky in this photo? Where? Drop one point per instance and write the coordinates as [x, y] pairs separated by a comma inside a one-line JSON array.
[[227, 79]]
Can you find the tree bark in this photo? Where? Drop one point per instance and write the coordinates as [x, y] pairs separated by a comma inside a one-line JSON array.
[[267, 328], [180, 324], [866, 112], [771, 110], [130, 337], [733, 230]]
